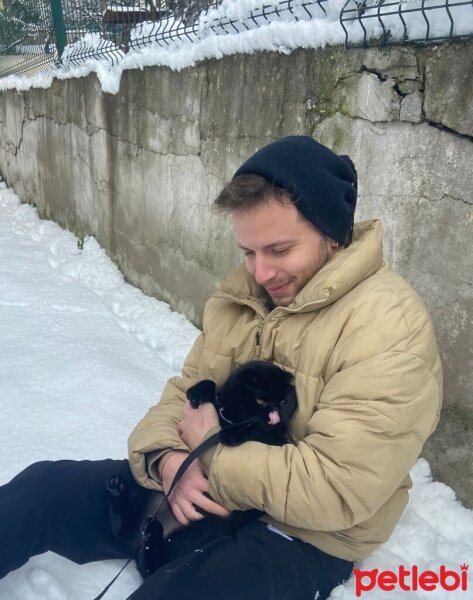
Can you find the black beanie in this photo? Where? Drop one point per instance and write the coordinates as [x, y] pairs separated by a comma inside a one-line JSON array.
[[322, 184]]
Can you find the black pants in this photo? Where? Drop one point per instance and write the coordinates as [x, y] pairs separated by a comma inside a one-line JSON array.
[[63, 507]]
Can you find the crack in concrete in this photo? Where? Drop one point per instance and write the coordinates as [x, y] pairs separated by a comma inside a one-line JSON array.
[[159, 244], [366, 120], [398, 91], [445, 128], [140, 147], [455, 199], [424, 120], [98, 130], [433, 123], [313, 99], [17, 147], [380, 76], [395, 82]]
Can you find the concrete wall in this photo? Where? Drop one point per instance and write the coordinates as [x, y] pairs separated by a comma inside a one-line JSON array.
[[139, 171]]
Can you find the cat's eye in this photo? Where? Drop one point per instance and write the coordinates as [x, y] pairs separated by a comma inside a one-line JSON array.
[[260, 401]]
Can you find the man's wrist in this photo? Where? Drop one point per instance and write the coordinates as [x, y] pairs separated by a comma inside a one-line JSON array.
[[207, 456], [165, 459]]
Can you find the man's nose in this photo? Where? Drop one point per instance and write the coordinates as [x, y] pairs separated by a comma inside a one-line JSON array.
[[264, 270]]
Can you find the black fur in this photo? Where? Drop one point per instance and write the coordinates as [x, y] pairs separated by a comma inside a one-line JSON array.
[[253, 397], [253, 391]]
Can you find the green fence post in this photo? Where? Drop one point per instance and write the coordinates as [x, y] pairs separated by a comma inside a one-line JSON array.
[[59, 27]]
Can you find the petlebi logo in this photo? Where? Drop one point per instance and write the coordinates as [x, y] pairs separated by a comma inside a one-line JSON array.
[[412, 579]]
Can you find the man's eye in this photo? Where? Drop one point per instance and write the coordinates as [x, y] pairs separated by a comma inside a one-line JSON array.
[[280, 250], [248, 253]]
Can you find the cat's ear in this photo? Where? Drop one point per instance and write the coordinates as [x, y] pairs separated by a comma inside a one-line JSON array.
[[203, 391]]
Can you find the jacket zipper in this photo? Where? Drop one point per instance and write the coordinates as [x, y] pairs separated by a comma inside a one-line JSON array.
[[258, 340]]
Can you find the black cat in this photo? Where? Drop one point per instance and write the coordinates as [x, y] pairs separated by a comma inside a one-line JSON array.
[[256, 403]]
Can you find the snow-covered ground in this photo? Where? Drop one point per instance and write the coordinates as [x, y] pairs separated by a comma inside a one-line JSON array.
[[248, 26], [83, 355]]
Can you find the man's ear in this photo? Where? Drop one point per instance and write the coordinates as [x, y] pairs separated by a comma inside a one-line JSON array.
[[203, 391]]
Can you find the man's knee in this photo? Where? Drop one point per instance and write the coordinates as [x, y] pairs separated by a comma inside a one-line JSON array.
[[41, 484], [38, 472], [58, 483]]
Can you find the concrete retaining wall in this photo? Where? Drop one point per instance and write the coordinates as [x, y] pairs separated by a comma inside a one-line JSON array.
[[139, 171]]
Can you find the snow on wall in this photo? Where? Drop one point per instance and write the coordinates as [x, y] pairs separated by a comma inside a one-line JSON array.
[[245, 27]]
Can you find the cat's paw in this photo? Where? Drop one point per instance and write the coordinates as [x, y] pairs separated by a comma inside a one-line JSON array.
[[116, 486], [203, 391], [118, 503]]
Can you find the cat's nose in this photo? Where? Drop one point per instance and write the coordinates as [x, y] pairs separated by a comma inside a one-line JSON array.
[[273, 417]]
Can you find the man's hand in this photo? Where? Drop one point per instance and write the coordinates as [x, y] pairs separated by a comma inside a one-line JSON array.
[[196, 422], [190, 492]]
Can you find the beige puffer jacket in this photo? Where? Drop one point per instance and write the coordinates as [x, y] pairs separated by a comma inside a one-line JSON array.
[[368, 377]]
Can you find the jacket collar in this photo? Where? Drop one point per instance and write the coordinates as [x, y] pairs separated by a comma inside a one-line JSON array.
[[342, 273]]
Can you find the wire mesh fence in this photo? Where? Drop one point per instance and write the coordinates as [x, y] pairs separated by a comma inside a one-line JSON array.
[[137, 24], [38, 33], [382, 21]]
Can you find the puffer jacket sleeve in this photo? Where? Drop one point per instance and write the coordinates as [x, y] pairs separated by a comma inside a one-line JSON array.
[[365, 435], [157, 432]]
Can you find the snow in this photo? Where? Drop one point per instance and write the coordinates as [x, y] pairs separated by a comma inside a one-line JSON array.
[[84, 355], [239, 27]]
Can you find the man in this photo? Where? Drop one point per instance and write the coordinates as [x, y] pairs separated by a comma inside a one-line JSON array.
[[315, 297], [368, 378]]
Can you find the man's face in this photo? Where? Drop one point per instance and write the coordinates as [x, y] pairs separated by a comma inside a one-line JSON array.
[[283, 251]]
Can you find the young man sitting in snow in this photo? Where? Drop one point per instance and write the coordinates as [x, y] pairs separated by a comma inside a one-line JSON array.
[[315, 298]]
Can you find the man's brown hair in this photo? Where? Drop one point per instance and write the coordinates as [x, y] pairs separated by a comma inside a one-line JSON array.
[[248, 191]]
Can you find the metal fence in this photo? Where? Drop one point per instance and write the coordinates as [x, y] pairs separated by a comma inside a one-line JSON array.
[[414, 21], [135, 25], [37, 33]]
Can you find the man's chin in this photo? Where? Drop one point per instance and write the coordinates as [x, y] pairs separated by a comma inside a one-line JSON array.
[[282, 301], [284, 297]]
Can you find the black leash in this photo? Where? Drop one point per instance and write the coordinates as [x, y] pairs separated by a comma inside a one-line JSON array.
[[205, 445]]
